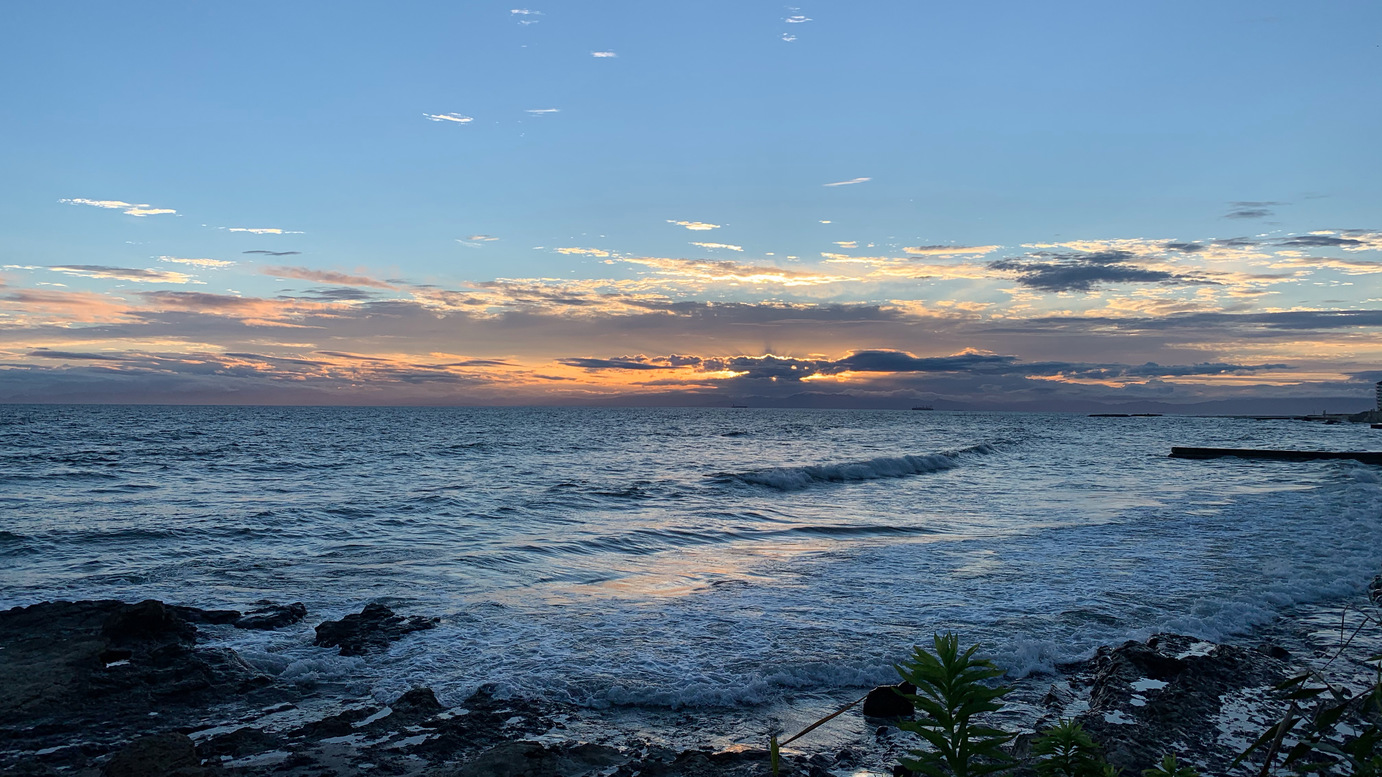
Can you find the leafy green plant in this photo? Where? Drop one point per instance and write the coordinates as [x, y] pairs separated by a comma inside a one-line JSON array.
[[952, 689], [1169, 768], [1066, 750]]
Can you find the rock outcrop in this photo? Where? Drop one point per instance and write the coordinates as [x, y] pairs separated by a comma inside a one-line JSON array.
[[271, 616], [1179, 695], [373, 628]]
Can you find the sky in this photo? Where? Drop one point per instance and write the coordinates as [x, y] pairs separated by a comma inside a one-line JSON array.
[[986, 205]]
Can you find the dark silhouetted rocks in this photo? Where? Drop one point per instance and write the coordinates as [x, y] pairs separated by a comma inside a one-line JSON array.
[[531, 759], [84, 676], [373, 628], [1167, 696], [272, 616], [417, 703], [165, 755], [887, 701]]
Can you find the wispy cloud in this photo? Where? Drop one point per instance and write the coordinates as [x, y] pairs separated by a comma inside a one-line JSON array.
[[482, 238], [1253, 209], [106, 272], [789, 37], [847, 183], [797, 19], [847, 243], [728, 246], [208, 263], [454, 118], [603, 54], [725, 271], [542, 111], [948, 250], [129, 208], [326, 276], [695, 226], [263, 230], [525, 12], [266, 252], [583, 251]]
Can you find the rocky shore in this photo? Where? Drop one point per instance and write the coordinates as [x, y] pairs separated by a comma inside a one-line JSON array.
[[119, 689]]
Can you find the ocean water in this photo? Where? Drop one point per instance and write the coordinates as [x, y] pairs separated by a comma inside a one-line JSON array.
[[680, 559]]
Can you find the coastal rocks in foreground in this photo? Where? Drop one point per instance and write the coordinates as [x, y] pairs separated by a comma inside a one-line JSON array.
[[1201, 701], [105, 688], [98, 662], [373, 628], [271, 616]]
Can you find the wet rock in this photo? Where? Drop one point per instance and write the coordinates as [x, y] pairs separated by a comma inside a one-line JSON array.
[[887, 701], [337, 725], [272, 616], [1171, 695], [373, 628], [703, 763], [108, 671], [147, 621], [167, 755], [417, 703], [531, 759], [210, 617], [238, 743], [486, 721]]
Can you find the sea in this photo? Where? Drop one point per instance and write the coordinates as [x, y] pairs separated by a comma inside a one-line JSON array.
[[714, 562]]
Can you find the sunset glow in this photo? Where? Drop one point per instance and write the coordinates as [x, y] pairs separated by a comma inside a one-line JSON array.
[[531, 202]]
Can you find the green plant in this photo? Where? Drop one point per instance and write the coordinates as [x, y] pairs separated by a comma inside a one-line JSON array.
[[1169, 768], [952, 688], [1066, 750]]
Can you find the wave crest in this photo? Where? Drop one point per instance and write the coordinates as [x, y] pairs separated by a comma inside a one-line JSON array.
[[796, 478]]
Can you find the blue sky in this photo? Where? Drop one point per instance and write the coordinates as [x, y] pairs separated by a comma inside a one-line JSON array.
[[541, 178]]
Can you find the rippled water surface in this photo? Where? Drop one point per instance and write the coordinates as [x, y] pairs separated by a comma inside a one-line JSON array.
[[680, 557]]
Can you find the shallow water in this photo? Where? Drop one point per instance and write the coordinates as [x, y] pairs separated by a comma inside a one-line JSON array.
[[697, 559]]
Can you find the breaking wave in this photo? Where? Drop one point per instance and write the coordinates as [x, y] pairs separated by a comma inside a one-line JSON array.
[[796, 478]]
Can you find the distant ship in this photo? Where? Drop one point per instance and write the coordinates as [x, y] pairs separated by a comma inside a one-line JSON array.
[[923, 407], [738, 405]]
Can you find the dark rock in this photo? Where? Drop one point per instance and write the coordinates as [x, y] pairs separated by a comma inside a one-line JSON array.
[[336, 725], [373, 628], [532, 759], [703, 763], [417, 703], [487, 722], [210, 617], [96, 673], [1165, 696], [887, 701], [147, 621], [159, 754], [238, 743], [272, 616]]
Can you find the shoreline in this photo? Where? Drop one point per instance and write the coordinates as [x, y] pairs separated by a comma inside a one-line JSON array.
[[90, 688]]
